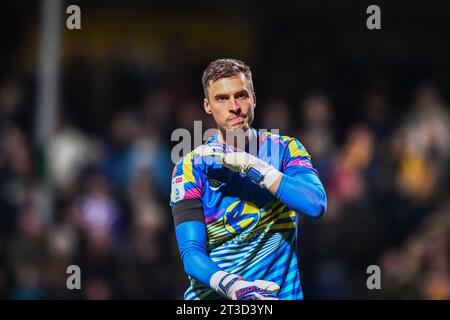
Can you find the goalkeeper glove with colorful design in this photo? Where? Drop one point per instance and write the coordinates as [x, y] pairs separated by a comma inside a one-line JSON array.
[[236, 288], [256, 169]]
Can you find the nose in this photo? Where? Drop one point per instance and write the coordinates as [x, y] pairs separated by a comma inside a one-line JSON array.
[[235, 106]]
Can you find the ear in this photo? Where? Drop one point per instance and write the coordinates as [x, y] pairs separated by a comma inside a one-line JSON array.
[[206, 106], [254, 100]]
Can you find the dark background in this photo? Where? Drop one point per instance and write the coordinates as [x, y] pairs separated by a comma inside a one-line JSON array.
[[371, 107]]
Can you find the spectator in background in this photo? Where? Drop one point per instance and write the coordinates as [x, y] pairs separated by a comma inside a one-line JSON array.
[[276, 115], [156, 112], [348, 182], [150, 154], [11, 106], [16, 173], [426, 149], [63, 244], [148, 222], [419, 267], [68, 152], [377, 115], [28, 251], [98, 219], [97, 212], [314, 122], [117, 160]]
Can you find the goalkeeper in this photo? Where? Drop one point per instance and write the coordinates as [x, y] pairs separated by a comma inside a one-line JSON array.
[[235, 207]]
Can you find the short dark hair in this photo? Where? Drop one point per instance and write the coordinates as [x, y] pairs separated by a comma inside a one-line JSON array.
[[225, 68]]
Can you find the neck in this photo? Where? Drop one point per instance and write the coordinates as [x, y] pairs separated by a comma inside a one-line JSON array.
[[237, 139]]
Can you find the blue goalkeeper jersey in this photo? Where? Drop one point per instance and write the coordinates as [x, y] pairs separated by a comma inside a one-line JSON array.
[[249, 231]]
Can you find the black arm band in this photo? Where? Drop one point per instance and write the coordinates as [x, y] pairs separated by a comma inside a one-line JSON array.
[[187, 210]]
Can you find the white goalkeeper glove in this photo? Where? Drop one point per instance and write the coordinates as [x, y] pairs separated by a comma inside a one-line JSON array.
[[256, 169], [234, 287]]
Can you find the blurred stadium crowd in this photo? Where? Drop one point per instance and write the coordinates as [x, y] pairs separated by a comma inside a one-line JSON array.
[[96, 195]]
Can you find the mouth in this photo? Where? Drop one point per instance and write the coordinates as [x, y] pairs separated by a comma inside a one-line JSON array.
[[236, 120]]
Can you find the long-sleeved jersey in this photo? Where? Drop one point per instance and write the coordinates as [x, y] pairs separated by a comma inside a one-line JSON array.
[[249, 231]]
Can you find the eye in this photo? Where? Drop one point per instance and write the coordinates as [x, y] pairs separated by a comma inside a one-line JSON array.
[[242, 96], [221, 98]]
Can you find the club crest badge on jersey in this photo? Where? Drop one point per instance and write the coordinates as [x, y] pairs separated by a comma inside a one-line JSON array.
[[177, 189], [241, 216]]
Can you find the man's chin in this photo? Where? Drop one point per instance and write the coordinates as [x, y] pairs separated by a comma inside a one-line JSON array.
[[241, 127], [236, 135]]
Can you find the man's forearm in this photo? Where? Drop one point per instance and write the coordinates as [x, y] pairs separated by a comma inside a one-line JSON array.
[[274, 187], [303, 193], [191, 238]]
